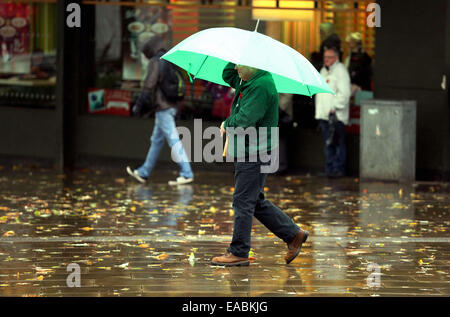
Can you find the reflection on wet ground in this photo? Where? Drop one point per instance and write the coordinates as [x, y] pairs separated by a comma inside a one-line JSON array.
[[367, 238]]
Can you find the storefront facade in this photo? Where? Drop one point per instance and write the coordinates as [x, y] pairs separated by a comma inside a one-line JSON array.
[[66, 93]]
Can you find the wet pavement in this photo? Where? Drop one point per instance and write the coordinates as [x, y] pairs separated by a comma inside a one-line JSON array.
[[128, 239]]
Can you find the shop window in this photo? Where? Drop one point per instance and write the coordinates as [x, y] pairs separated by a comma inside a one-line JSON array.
[[122, 28], [121, 67], [28, 54]]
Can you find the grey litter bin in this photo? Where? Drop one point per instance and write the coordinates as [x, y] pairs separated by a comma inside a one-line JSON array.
[[388, 140]]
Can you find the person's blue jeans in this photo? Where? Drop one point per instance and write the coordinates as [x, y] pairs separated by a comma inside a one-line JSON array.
[[165, 129], [249, 201], [335, 154]]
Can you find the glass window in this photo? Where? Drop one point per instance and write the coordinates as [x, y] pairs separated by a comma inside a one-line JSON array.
[[121, 66], [28, 54], [122, 29]]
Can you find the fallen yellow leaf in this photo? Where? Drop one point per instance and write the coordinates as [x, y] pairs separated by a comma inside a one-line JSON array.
[[143, 245], [86, 229], [9, 233], [40, 278], [120, 180], [162, 256]]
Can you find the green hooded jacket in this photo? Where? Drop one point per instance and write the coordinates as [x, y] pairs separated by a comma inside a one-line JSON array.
[[255, 104]]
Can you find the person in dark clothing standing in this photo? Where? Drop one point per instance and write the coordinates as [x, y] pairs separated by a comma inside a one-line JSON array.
[[358, 63], [286, 125], [255, 105]]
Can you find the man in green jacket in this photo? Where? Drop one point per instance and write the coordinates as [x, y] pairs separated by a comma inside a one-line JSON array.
[[255, 105]]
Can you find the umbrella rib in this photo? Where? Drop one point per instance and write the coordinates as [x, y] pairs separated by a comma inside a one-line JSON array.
[[201, 66], [307, 86]]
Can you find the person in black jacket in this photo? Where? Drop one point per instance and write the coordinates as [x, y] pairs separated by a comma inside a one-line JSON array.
[[358, 63]]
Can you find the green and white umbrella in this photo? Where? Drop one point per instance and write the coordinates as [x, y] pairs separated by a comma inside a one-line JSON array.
[[205, 54]]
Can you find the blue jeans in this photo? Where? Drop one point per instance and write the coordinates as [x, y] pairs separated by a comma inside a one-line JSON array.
[[165, 129], [335, 154], [249, 201]]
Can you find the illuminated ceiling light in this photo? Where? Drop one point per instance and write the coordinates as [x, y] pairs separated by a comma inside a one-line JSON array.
[[282, 13]]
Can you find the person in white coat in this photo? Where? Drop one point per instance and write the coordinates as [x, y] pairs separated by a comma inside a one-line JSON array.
[[328, 105]]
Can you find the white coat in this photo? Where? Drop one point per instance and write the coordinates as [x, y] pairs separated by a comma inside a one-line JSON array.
[[338, 78]]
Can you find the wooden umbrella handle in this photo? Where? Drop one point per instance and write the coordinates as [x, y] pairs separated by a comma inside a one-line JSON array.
[[225, 148]]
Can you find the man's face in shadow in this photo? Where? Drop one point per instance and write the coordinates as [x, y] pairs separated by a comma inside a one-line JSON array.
[[245, 72]]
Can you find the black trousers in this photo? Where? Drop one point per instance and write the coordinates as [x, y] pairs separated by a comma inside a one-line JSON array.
[[249, 201]]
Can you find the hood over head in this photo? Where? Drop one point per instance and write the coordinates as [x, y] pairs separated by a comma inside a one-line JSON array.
[[154, 45]]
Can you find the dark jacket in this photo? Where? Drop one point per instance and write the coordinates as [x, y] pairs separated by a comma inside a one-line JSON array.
[[255, 104], [360, 69], [152, 93]]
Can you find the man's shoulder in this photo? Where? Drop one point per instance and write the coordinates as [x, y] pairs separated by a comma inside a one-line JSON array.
[[153, 62], [265, 81], [340, 68], [339, 65]]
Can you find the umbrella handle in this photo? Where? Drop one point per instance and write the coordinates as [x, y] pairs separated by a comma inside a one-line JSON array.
[[225, 148]]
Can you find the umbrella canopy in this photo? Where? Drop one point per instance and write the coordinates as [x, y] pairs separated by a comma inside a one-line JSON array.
[[206, 53]]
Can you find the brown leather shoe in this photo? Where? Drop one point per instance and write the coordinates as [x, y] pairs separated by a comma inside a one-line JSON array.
[[229, 259], [295, 246]]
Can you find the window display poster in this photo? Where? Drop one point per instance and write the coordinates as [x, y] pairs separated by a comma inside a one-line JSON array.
[[14, 38], [108, 33], [141, 23], [109, 101]]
